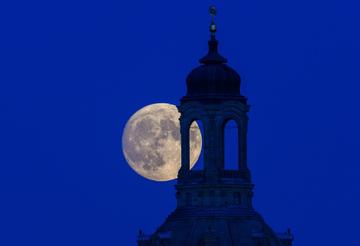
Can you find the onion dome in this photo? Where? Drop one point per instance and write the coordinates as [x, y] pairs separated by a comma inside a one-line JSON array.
[[214, 76]]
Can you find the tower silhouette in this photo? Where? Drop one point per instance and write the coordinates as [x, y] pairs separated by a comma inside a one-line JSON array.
[[214, 205]]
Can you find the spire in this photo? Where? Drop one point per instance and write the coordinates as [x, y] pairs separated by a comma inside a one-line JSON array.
[[212, 11], [213, 57]]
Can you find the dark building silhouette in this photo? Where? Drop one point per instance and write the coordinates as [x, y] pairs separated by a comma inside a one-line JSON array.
[[214, 205]]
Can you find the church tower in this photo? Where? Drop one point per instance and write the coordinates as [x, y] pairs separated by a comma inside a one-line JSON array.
[[214, 205]]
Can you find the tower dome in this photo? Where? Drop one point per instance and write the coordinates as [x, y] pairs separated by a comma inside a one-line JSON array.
[[214, 77]]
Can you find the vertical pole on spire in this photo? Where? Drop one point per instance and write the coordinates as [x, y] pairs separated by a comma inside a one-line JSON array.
[[212, 11]]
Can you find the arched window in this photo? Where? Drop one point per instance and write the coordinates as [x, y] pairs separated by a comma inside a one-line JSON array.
[[231, 145], [196, 138]]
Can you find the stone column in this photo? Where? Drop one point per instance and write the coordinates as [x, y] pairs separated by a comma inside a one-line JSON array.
[[210, 151], [185, 149], [220, 144], [242, 138]]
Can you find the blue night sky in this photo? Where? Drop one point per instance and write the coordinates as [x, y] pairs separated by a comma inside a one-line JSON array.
[[73, 72]]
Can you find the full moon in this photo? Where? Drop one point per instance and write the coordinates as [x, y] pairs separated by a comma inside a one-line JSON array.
[[151, 142]]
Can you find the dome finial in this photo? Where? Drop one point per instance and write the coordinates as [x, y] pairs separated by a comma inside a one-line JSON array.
[[212, 11], [213, 57]]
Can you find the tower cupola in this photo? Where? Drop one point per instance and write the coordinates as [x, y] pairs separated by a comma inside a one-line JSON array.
[[214, 202], [213, 77]]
